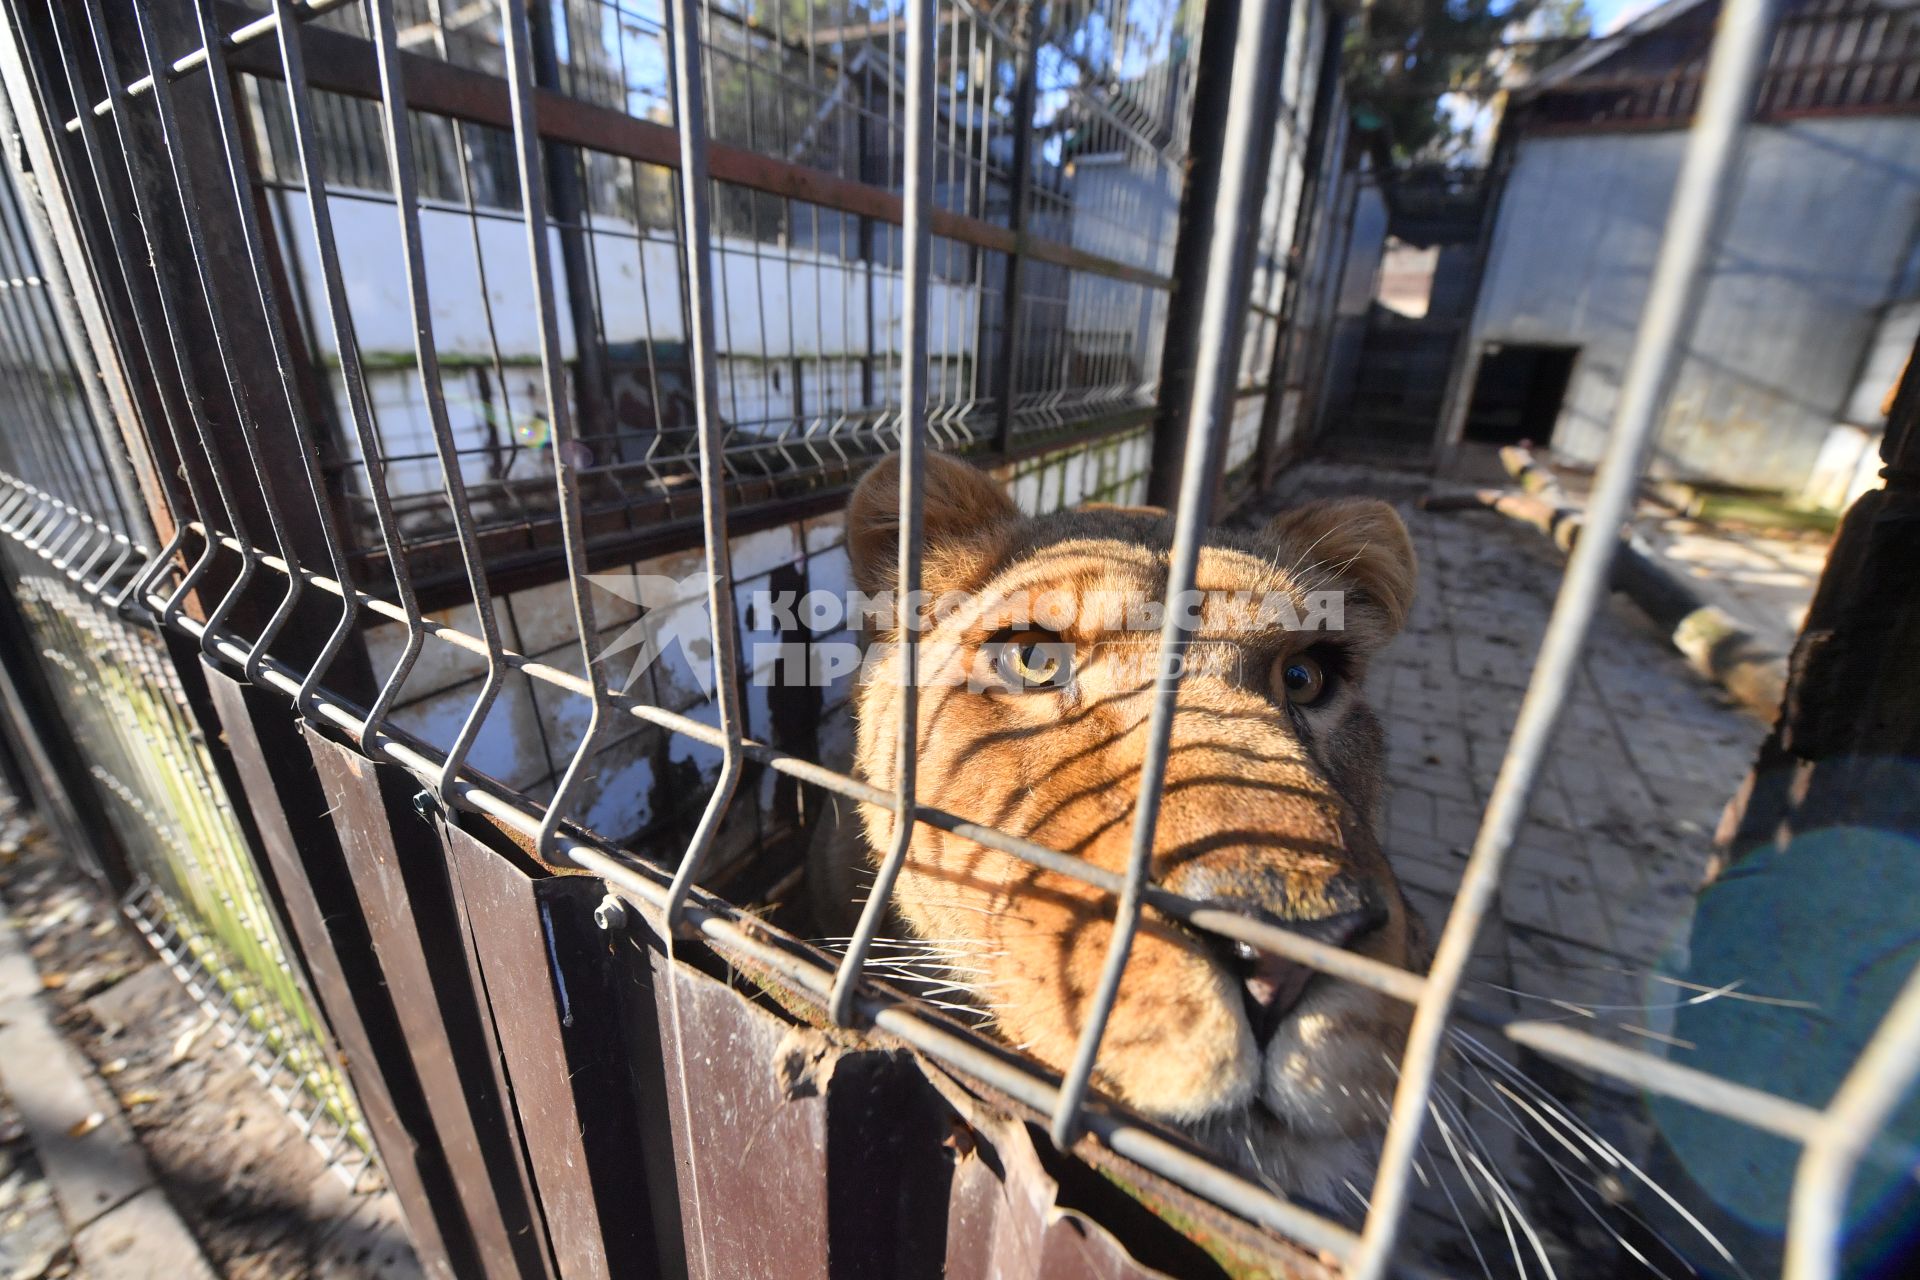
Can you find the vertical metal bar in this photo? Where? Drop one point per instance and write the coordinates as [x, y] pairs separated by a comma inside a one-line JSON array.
[[406, 193], [690, 114], [1306, 228], [42, 354], [258, 256], [917, 267], [1861, 1107], [248, 424], [149, 217], [570, 221], [1708, 174], [1019, 199], [1260, 42], [94, 325], [1206, 159], [59, 292], [352, 374], [527, 148], [31, 363], [150, 345]]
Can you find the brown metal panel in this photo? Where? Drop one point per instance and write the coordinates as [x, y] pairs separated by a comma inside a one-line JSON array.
[[494, 1094], [907, 1186], [275, 773], [514, 942], [1007, 1219], [395, 860], [892, 1142], [749, 1121], [988, 1236]]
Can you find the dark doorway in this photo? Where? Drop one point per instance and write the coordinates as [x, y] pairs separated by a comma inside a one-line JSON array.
[[1517, 393]]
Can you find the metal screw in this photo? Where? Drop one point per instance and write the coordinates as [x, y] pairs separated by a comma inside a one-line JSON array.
[[426, 805], [611, 914]]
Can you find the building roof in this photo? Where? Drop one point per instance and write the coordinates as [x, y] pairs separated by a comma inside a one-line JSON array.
[[1593, 54]]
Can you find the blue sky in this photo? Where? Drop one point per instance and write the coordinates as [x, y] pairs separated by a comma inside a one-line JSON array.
[[1608, 14]]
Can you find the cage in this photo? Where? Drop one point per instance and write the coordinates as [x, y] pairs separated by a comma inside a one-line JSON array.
[[426, 425]]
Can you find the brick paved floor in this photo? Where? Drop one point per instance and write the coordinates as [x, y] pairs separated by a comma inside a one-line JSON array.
[[1601, 881], [1603, 874]]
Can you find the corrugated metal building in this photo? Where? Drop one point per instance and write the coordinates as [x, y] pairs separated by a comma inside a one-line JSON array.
[[1818, 269]]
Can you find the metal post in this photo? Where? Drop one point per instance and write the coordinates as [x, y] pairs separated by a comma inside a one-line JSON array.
[[1206, 156], [1865, 1101], [570, 220], [1306, 228], [690, 112], [1707, 176], [1019, 198], [917, 268]]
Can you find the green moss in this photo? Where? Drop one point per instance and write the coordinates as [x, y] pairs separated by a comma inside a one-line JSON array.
[[1761, 512]]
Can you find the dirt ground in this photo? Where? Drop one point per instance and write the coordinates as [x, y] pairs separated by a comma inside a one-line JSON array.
[[257, 1197]]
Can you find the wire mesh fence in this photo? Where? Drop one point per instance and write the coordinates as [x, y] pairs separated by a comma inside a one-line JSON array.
[[603, 292]]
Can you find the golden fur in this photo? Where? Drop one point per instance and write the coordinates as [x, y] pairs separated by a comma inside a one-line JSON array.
[[1269, 807]]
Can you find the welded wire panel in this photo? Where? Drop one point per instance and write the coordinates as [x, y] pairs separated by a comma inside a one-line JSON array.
[[589, 344], [809, 312]]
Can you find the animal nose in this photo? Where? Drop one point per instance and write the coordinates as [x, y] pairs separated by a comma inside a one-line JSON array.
[[1272, 985]]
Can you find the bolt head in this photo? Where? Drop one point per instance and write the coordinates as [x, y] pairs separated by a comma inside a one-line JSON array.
[[611, 914]]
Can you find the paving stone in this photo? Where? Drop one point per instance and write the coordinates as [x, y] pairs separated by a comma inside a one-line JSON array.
[[143, 1239], [1410, 810]]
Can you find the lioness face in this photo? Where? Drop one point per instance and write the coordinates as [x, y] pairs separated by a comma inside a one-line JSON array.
[[1272, 787]]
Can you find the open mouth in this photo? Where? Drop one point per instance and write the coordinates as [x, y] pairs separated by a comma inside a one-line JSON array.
[[1273, 986]]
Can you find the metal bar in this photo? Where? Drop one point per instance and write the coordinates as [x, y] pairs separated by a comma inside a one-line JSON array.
[[559, 408], [33, 245], [565, 190], [259, 253], [344, 64], [1879, 1081], [1192, 248], [257, 29], [95, 322], [1707, 177], [1306, 225], [690, 112], [352, 374], [917, 268], [1259, 48], [150, 345], [193, 223], [1019, 198], [399, 140]]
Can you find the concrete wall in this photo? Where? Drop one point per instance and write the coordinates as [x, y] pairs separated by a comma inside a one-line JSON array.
[[1818, 245], [1359, 280]]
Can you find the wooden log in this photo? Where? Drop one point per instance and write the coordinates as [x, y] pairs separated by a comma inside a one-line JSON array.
[[1713, 643]]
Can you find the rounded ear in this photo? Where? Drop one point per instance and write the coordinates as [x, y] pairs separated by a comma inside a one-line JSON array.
[[962, 509], [1359, 542]]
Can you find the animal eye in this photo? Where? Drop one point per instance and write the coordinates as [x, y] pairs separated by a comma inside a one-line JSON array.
[[1031, 663], [1302, 677]]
